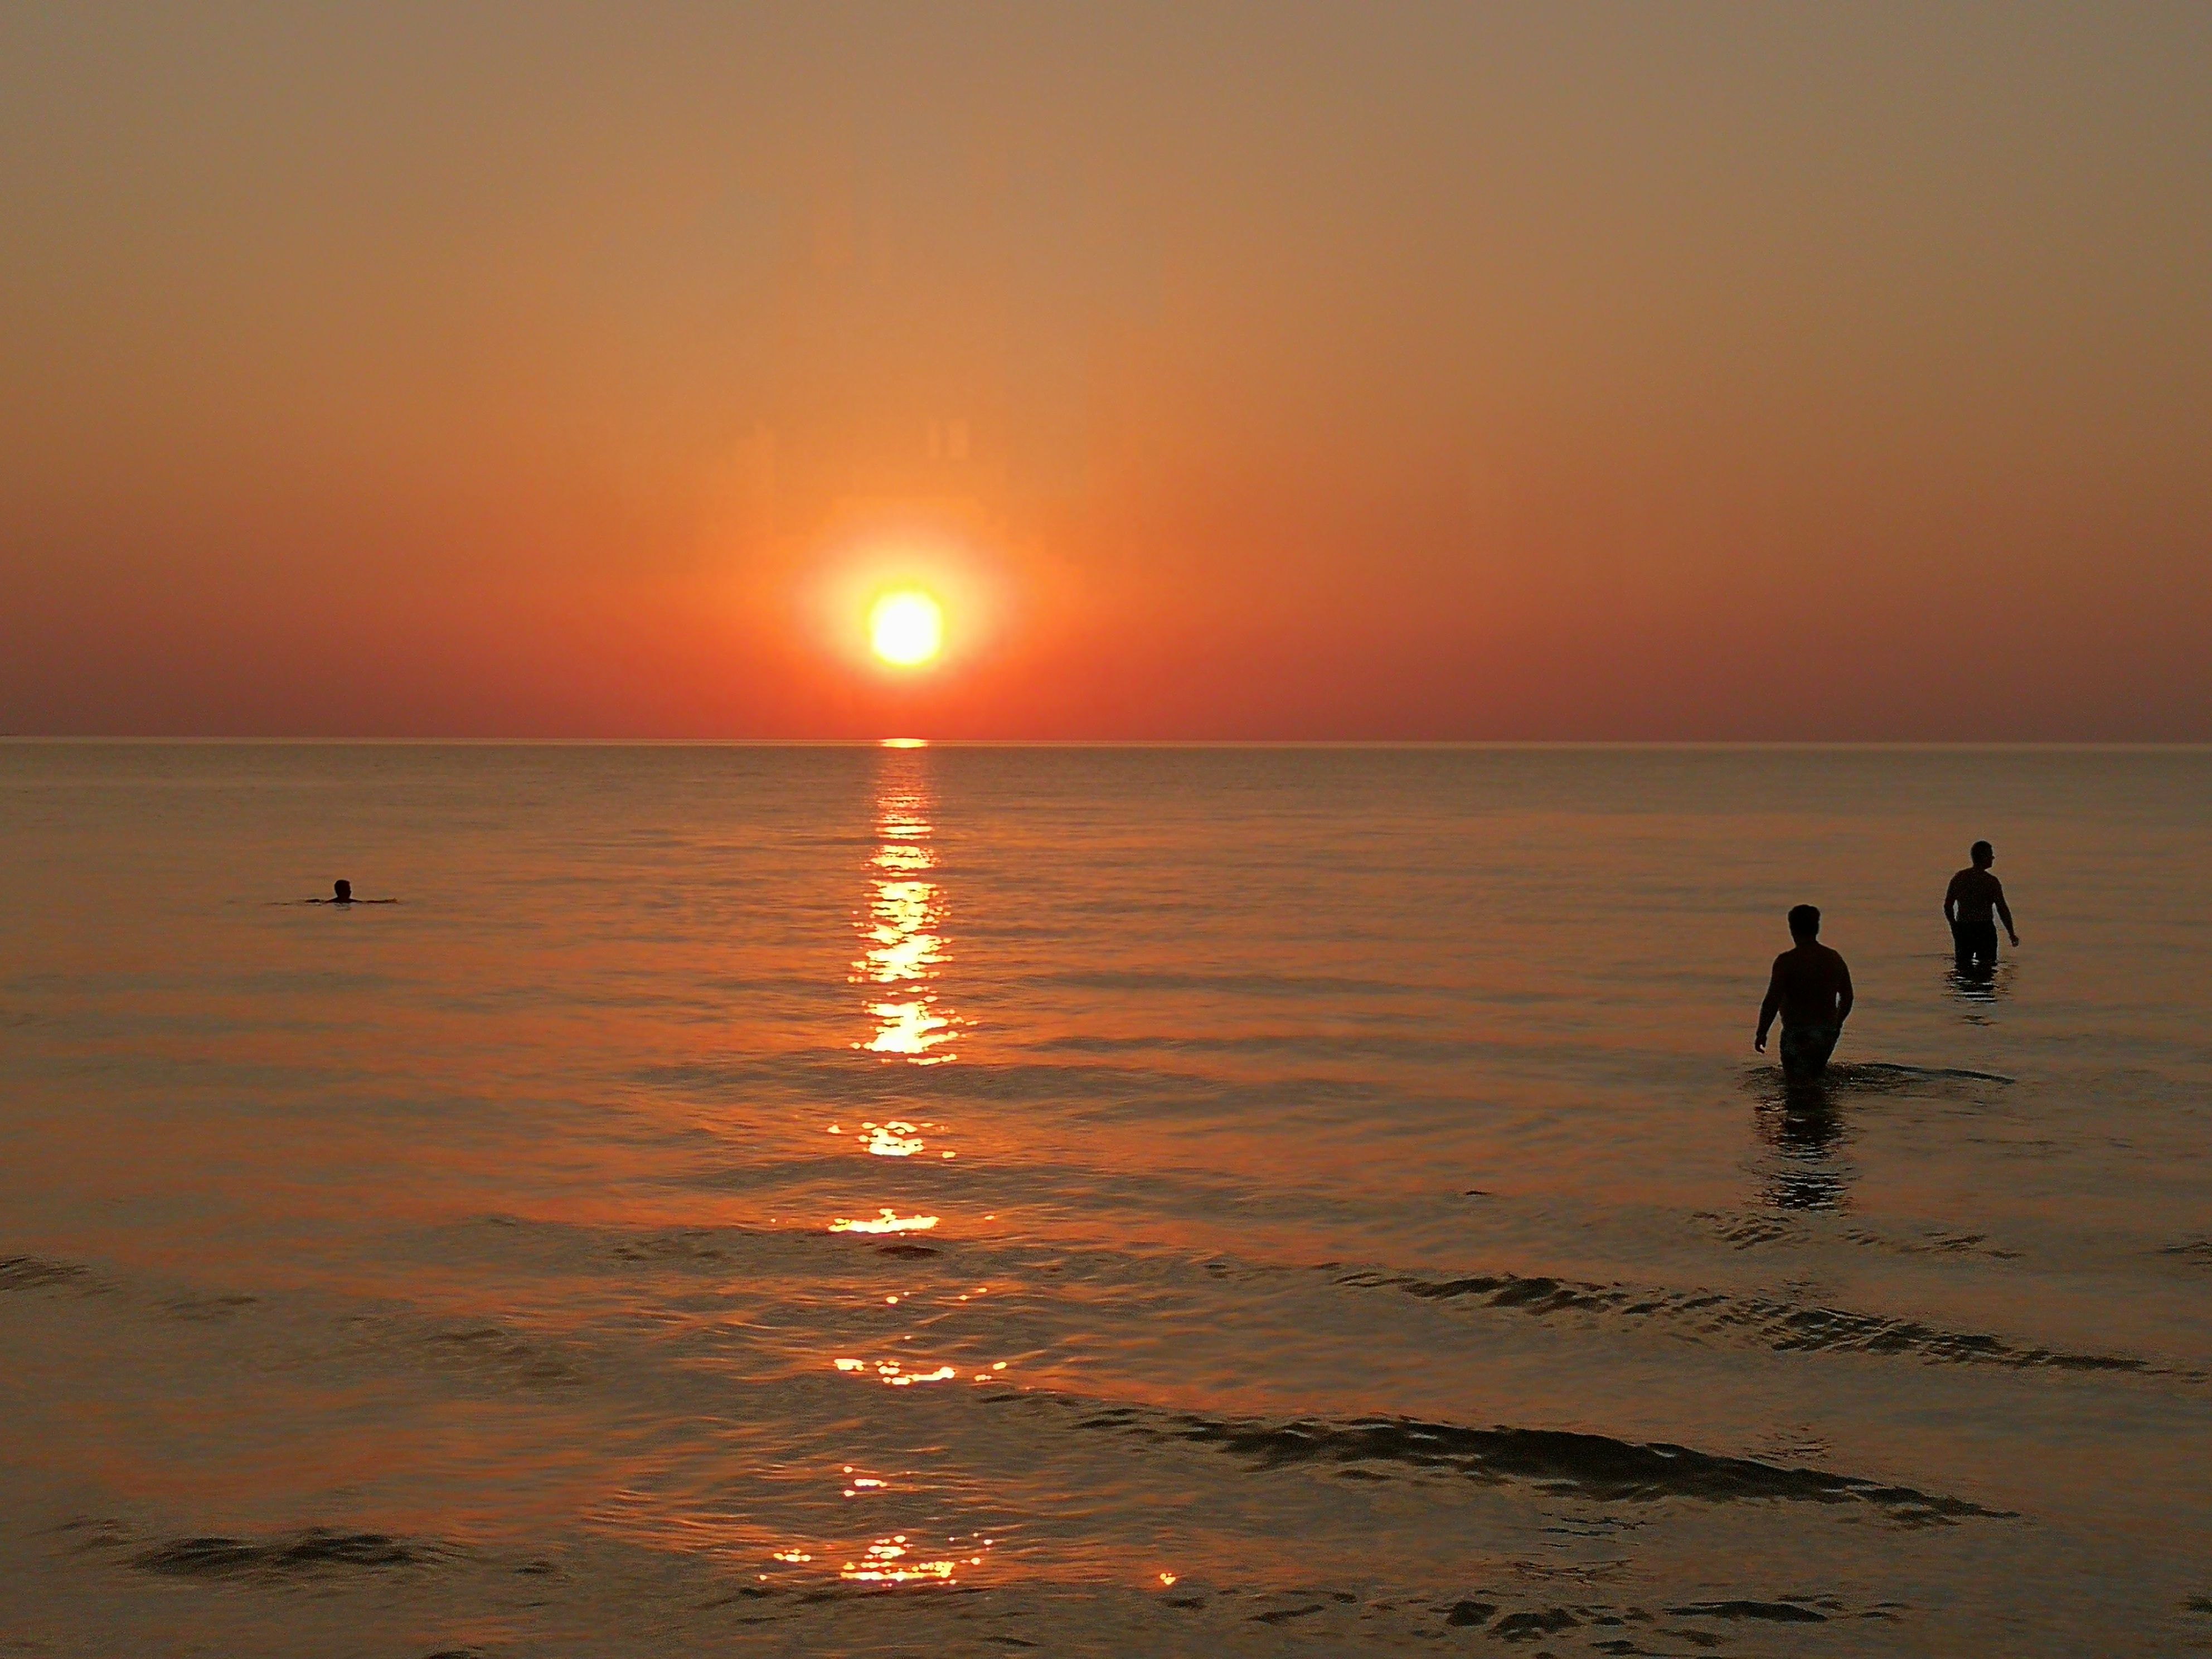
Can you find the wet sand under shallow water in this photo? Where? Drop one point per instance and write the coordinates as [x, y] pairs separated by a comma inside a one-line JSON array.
[[1365, 1227]]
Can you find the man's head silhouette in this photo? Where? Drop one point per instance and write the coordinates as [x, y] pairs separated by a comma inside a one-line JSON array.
[[1983, 855], [342, 892], [1805, 923]]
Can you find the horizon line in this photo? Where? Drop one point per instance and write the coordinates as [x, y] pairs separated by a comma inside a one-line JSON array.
[[1954, 745]]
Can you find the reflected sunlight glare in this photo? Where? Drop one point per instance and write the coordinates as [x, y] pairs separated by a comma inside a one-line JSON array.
[[903, 941], [892, 1373], [887, 1561], [884, 1221], [895, 1138]]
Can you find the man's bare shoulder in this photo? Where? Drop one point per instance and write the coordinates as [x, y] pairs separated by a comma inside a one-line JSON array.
[[1813, 956], [1810, 956]]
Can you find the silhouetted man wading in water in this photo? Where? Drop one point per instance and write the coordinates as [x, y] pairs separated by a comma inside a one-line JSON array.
[[1968, 904], [1811, 989]]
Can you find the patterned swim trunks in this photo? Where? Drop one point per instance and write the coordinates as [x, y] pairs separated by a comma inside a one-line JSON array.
[[1806, 1048]]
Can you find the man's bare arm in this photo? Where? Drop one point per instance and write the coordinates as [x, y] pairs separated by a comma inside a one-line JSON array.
[[1844, 998], [1768, 1009], [2004, 913], [1951, 898]]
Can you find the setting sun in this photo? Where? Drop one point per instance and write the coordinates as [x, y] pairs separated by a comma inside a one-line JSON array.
[[906, 628]]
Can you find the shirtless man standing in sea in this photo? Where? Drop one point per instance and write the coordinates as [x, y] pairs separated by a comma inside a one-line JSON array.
[[1811, 989], [1968, 904]]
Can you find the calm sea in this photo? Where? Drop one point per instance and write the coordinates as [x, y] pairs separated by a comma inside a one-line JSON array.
[[1104, 1200]]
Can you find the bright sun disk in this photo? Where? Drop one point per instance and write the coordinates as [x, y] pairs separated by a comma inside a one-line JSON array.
[[906, 628]]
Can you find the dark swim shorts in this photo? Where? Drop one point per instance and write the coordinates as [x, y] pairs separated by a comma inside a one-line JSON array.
[[1976, 943], [1806, 1048]]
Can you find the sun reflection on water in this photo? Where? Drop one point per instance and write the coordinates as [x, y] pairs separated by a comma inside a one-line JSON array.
[[884, 1221], [903, 937], [894, 1561]]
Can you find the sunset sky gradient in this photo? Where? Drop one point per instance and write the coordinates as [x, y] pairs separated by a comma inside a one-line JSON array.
[[1452, 371]]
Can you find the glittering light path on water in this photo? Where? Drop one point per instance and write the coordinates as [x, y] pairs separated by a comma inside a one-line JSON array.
[[903, 943]]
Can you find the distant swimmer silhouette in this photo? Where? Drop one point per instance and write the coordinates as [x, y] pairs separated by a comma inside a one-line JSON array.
[[1968, 904], [342, 893], [1811, 989]]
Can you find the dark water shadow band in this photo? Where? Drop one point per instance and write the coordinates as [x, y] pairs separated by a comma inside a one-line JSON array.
[[31, 1272], [310, 1550], [1556, 1461], [1879, 1073], [1780, 1327]]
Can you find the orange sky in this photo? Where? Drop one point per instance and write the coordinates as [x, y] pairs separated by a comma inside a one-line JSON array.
[[1451, 371]]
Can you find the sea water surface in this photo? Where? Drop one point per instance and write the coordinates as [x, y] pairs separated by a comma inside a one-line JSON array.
[[945, 1200]]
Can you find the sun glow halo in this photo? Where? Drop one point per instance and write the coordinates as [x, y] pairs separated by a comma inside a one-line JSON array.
[[906, 628]]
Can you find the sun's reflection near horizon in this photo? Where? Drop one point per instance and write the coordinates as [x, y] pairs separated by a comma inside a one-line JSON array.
[[902, 939]]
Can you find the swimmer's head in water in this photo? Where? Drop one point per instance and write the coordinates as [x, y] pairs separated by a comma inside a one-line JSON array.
[[1983, 855], [342, 892], [1805, 922]]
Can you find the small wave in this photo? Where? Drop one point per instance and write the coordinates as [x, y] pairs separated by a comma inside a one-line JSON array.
[[1886, 1077], [484, 1354], [1772, 1613], [1558, 1462], [213, 1306], [1284, 1615], [1744, 1232], [1507, 1614], [677, 1244], [1845, 1080], [1239, 984], [31, 1272], [2196, 1251], [1879, 1068], [1935, 1244], [489, 1352], [1526, 1626], [1780, 1327], [318, 1548]]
